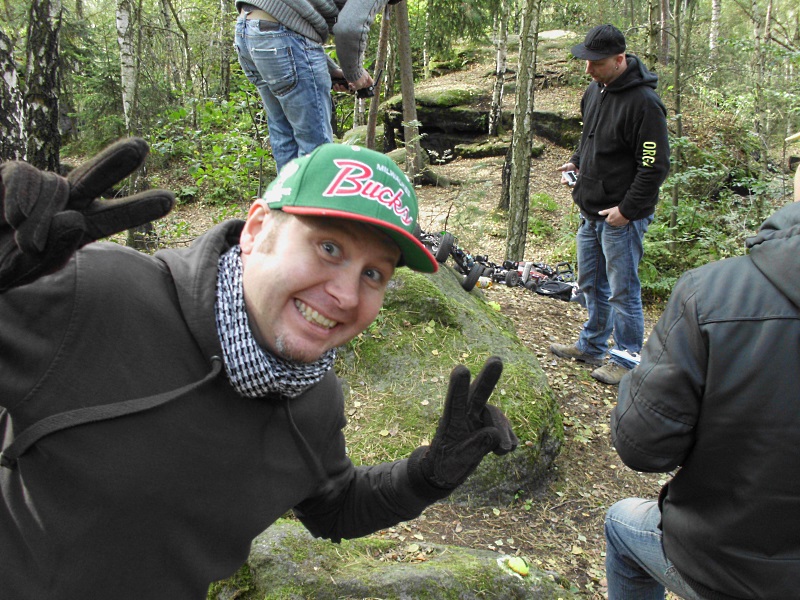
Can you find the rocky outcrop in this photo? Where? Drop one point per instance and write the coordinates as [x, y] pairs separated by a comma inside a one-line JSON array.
[[455, 115], [286, 562]]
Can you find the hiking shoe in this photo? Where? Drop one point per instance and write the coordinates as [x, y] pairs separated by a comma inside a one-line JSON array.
[[610, 373], [571, 351]]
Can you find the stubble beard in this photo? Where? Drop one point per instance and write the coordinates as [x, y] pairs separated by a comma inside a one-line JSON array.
[[284, 349]]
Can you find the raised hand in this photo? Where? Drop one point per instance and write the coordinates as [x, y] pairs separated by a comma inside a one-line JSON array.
[[468, 430], [45, 218]]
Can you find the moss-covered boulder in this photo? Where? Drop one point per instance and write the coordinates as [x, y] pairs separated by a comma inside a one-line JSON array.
[[396, 376], [287, 563], [358, 136], [492, 146], [456, 114]]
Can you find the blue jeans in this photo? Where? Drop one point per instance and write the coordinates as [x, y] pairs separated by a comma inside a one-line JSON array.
[[636, 566], [291, 74], [608, 276]]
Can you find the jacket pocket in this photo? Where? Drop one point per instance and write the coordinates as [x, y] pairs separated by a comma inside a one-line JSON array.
[[589, 191]]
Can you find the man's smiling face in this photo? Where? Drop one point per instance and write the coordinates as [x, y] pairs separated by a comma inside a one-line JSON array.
[[312, 283]]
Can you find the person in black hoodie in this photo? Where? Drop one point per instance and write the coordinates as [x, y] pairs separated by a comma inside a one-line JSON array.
[[158, 412], [621, 162]]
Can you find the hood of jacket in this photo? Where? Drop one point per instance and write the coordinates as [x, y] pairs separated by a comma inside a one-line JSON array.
[[776, 248], [635, 75], [190, 269]]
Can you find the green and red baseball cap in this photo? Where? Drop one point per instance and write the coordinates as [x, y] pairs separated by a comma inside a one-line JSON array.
[[343, 181]]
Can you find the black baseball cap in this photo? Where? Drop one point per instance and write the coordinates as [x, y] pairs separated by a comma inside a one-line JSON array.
[[601, 42]]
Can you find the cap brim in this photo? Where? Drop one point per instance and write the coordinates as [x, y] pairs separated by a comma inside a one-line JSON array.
[[582, 52], [414, 254]]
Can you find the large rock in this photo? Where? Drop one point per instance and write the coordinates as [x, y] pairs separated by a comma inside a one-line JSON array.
[[286, 562], [456, 114], [396, 376]]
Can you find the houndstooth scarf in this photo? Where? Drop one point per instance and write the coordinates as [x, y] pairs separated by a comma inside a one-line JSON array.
[[253, 371]]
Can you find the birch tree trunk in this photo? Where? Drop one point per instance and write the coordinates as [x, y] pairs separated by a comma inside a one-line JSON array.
[[127, 61], [677, 81], [42, 84], [663, 53], [758, 69], [128, 32], [501, 57], [522, 140], [713, 33], [12, 140], [186, 50], [225, 44], [172, 70], [426, 43]]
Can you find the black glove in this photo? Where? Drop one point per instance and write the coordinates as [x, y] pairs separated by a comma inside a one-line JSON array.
[[468, 430], [45, 218]]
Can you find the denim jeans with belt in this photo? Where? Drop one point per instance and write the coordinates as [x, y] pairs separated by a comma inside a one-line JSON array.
[[636, 566], [608, 275], [291, 74]]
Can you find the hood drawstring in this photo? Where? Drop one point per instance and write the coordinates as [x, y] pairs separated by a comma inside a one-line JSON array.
[[92, 414], [305, 448]]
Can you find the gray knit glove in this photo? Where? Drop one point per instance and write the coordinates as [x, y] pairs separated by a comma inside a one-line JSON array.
[[45, 218], [468, 430]]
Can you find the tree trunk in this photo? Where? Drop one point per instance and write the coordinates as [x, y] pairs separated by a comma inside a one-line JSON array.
[[414, 163], [380, 65], [186, 49], [359, 118], [663, 54], [758, 71], [426, 43], [142, 237], [653, 33], [713, 34], [522, 140], [225, 43], [42, 83], [173, 77], [676, 189], [12, 140], [127, 61], [501, 45]]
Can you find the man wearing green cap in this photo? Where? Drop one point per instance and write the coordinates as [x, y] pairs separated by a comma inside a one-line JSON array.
[[159, 412]]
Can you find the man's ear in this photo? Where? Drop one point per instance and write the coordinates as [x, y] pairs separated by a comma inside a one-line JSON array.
[[257, 217]]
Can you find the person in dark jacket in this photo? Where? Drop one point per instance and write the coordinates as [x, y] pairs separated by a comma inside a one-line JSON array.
[[621, 162], [716, 397], [158, 412]]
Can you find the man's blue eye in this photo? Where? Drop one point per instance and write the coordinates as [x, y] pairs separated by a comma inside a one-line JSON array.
[[331, 248], [374, 275]]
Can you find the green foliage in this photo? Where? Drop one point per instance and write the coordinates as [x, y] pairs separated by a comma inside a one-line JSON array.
[[539, 227], [707, 227], [216, 141], [439, 24]]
